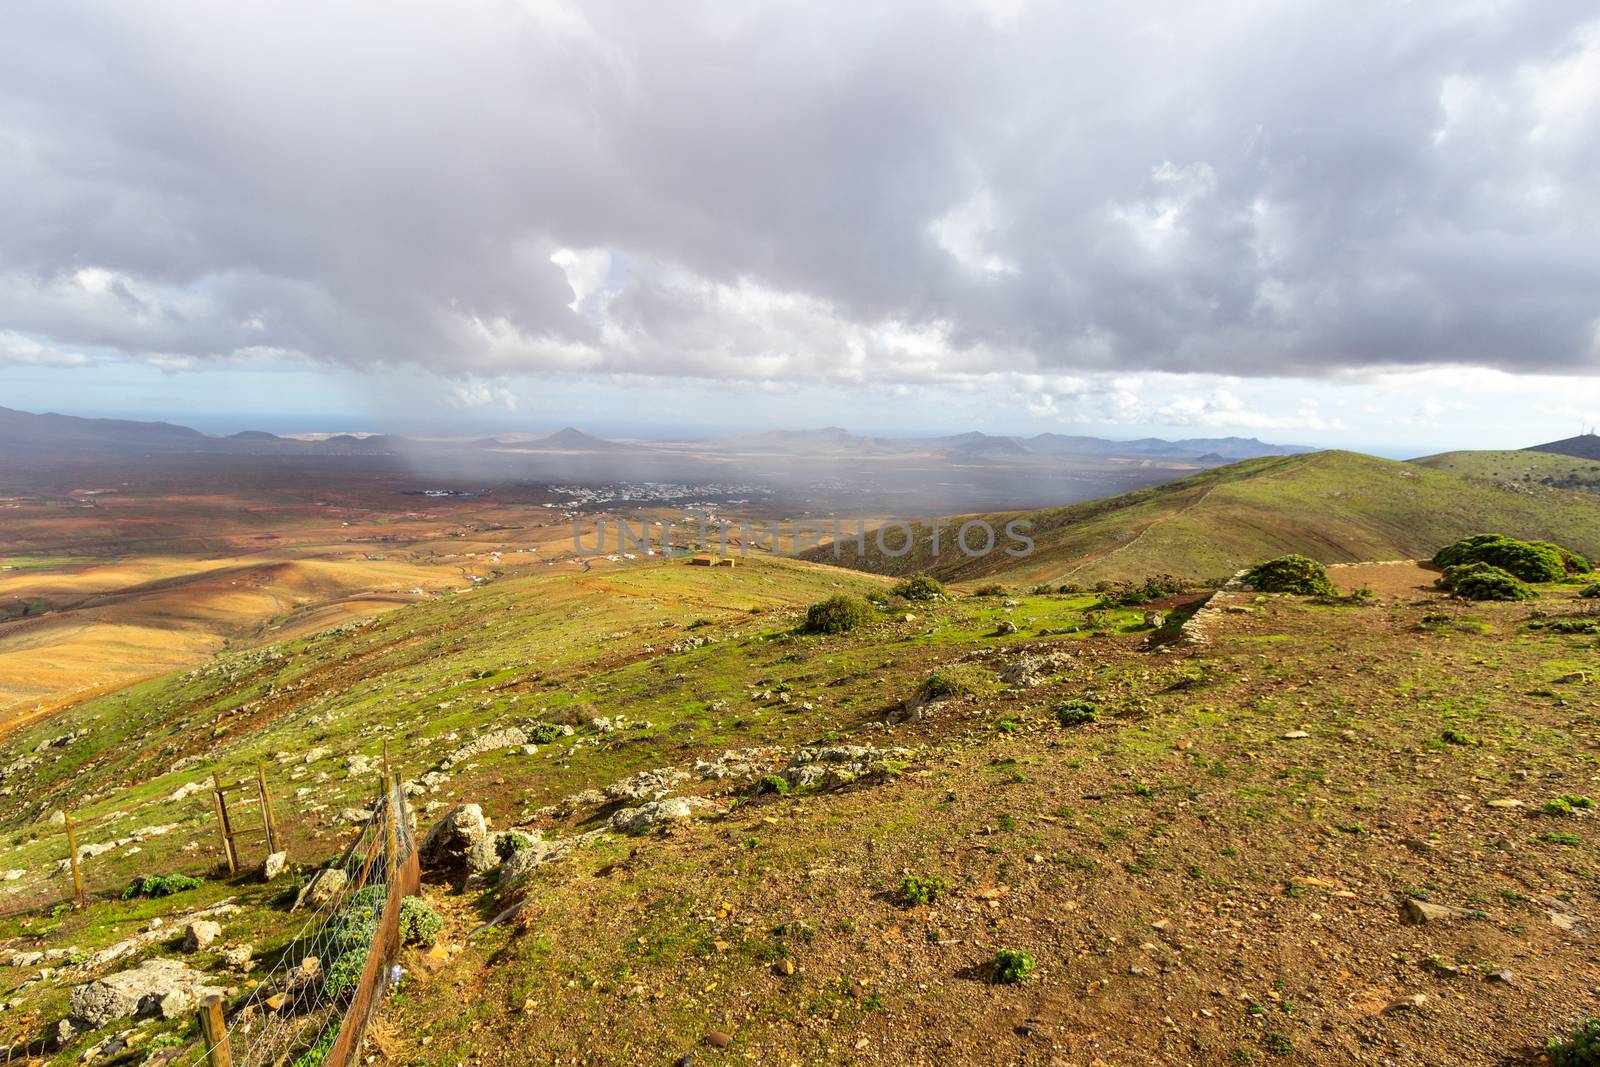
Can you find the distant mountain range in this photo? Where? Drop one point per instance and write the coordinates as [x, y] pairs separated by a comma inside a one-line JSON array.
[[24, 432], [1213, 450]]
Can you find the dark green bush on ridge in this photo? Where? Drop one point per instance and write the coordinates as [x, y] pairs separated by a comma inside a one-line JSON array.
[[838, 614], [1529, 561], [1291, 574], [1482, 581]]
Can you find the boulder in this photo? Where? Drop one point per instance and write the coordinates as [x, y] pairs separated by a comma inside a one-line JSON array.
[[238, 955], [199, 934], [450, 842], [324, 887], [638, 820], [274, 865], [522, 862], [159, 986]]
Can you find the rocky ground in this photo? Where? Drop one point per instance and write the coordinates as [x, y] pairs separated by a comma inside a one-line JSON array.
[[1298, 831]]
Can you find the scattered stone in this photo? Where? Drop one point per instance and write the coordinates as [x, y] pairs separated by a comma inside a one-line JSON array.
[[274, 865], [198, 935], [522, 862], [719, 1039], [1155, 620], [450, 842], [317, 753], [163, 986], [1500, 976], [1505, 803], [1421, 912], [1295, 735], [1411, 1003], [638, 820], [238, 955], [1006, 627], [276, 1002], [510, 737], [785, 967], [324, 887]]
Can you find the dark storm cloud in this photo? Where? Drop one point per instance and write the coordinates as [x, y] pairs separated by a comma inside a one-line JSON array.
[[882, 192]]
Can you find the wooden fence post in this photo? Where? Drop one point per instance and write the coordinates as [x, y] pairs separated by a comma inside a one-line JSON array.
[[214, 1032], [72, 852], [269, 820], [222, 822]]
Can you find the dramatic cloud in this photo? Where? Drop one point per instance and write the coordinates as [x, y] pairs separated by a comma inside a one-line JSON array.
[[889, 193]]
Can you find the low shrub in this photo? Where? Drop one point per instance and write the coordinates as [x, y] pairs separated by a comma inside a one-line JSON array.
[[419, 924], [1076, 712], [510, 843], [1012, 966], [988, 590], [1133, 594], [161, 885], [919, 587], [349, 939], [916, 890], [1483, 581], [957, 681], [1530, 561], [838, 614], [1590, 592], [543, 733], [1291, 574], [1581, 1048]]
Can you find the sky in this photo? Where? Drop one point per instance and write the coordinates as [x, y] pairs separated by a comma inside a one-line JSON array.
[[1362, 225]]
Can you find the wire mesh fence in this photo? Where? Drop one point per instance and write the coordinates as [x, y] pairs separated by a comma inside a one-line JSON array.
[[312, 1008]]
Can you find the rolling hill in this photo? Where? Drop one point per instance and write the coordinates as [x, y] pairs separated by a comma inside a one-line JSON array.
[[1535, 466], [1584, 446], [1333, 506]]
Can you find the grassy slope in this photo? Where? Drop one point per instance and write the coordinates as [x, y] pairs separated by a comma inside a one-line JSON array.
[[1185, 805], [1541, 468], [1333, 506]]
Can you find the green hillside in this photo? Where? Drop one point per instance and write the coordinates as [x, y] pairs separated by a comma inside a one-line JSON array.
[[1520, 468], [1332, 506], [1106, 811]]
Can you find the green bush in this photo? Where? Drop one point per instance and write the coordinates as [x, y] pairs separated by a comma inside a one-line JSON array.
[[1530, 561], [161, 885], [982, 590], [1581, 1048], [1291, 574], [419, 924], [1132, 594], [1012, 966], [920, 587], [1483, 581], [915, 890], [1076, 712], [509, 844], [544, 733], [838, 614], [349, 939]]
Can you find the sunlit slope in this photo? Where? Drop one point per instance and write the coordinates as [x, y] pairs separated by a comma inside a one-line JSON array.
[[1333, 506], [1527, 467]]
